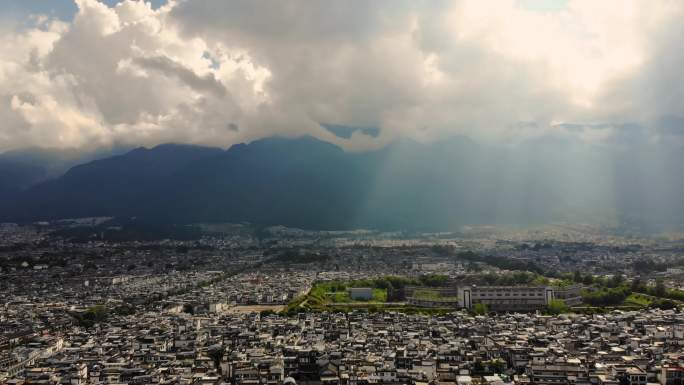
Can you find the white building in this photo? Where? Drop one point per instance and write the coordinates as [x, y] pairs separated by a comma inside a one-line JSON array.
[[506, 298]]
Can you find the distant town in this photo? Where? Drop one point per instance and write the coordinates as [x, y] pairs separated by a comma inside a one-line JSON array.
[[558, 305]]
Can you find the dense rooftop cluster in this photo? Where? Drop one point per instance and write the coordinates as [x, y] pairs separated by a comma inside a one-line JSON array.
[[359, 348]]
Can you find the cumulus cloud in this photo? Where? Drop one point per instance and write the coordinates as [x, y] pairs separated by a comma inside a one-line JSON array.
[[219, 72]]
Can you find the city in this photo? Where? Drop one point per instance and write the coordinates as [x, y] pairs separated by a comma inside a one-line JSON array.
[[316, 308], [345, 192]]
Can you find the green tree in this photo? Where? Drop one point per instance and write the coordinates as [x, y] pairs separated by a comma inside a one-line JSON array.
[[617, 280], [663, 304], [90, 317], [98, 312], [480, 309], [557, 306], [497, 365], [577, 276], [433, 280], [478, 367], [638, 285], [187, 308], [216, 353], [606, 296], [660, 289]]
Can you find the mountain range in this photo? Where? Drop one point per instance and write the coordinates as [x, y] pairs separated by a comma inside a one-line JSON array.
[[20, 169], [304, 182]]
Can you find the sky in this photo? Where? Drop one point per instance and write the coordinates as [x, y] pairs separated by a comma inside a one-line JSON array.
[[85, 74]]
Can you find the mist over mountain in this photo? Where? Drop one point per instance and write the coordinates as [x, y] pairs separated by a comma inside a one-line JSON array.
[[23, 168], [15, 177], [308, 183]]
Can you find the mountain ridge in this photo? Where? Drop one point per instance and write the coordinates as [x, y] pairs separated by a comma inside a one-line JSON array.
[[308, 183]]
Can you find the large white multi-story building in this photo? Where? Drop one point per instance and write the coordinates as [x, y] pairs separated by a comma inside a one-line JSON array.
[[506, 298]]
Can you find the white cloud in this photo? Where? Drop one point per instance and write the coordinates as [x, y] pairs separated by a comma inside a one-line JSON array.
[[219, 72]]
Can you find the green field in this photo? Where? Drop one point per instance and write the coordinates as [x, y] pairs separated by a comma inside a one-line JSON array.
[[636, 299], [333, 296], [431, 294], [336, 292]]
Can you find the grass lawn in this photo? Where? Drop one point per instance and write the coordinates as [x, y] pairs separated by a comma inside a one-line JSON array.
[[637, 299], [431, 294], [379, 295], [333, 296], [324, 294]]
